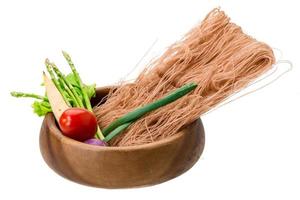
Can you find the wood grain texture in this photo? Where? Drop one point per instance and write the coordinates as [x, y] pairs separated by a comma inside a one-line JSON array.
[[120, 167]]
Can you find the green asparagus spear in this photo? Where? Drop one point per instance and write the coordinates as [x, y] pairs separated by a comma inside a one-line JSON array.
[[84, 94], [55, 81]]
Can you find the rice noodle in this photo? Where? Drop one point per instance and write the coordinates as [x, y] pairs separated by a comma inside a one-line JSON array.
[[216, 55]]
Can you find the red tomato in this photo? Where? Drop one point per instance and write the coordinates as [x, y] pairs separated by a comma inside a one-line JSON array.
[[79, 124]]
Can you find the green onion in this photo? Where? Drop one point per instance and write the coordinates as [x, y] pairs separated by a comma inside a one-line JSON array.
[[116, 131], [139, 112]]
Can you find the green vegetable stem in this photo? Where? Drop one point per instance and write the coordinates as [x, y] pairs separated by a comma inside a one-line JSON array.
[[30, 95], [68, 87], [123, 122], [41, 108], [55, 81], [116, 131], [71, 88], [78, 79], [86, 99]]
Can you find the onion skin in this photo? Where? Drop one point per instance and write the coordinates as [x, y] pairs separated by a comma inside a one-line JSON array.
[[96, 142]]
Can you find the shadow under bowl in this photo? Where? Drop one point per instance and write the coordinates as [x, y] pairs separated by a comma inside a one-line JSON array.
[[120, 167]]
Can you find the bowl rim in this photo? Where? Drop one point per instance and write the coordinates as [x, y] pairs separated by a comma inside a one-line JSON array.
[[54, 130]]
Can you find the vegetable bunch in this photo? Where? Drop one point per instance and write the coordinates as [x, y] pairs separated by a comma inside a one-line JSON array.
[[68, 86], [77, 120], [71, 88]]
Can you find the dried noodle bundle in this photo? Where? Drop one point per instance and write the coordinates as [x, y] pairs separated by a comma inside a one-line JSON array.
[[216, 55]]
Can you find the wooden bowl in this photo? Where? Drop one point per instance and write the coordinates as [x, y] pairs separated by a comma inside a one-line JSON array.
[[120, 167]]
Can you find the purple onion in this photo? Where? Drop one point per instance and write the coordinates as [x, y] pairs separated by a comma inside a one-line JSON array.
[[97, 142]]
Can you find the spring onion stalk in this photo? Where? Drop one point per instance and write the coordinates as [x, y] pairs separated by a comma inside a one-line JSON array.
[[68, 86], [116, 131], [139, 112], [55, 81], [86, 99], [30, 95]]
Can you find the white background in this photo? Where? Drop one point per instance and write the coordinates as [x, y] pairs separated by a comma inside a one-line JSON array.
[[252, 145]]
